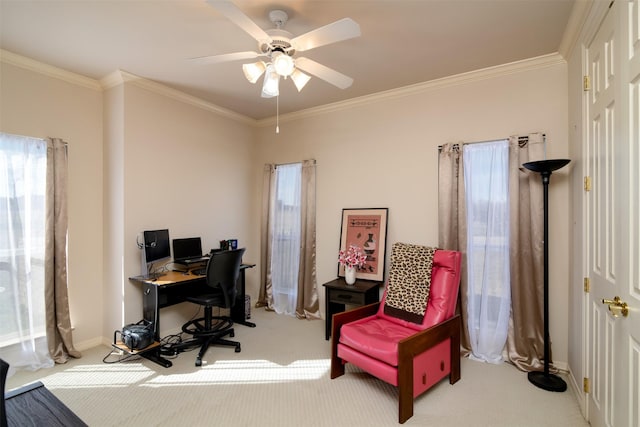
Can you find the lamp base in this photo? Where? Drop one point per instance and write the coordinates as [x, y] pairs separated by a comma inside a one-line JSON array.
[[549, 382]]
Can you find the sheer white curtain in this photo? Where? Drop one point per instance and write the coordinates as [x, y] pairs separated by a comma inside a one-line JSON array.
[[23, 168], [486, 180], [285, 254]]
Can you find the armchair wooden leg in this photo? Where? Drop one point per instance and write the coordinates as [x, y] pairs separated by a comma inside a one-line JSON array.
[[455, 374], [405, 404], [337, 365], [337, 368], [405, 387]]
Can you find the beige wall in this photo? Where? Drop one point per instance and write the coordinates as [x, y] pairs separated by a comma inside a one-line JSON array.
[[383, 153], [33, 104], [113, 197], [177, 166], [153, 145]]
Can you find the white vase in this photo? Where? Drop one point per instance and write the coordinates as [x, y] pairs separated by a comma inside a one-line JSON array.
[[350, 275]]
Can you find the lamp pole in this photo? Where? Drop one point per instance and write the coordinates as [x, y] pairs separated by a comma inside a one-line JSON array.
[[545, 379]]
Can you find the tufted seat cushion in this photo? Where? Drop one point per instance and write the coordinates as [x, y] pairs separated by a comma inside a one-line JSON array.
[[376, 337]]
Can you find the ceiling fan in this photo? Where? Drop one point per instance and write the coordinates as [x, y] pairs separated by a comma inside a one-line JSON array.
[[280, 47]]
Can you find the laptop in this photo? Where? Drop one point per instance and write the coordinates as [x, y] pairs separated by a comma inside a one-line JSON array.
[[188, 251]]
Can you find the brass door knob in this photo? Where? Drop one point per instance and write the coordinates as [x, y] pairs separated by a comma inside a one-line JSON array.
[[617, 307]]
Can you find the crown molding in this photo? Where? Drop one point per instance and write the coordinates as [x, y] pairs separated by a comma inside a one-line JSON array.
[[543, 61], [120, 77], [48, 70], [114, 79]]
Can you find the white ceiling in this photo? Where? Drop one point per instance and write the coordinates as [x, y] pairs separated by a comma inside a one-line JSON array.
[[403, 42]]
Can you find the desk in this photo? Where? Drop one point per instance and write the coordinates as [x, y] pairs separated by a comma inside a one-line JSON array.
[[338, 293], [172, 288]]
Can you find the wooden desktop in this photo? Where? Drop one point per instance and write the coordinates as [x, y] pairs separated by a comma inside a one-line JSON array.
[[172, 287]]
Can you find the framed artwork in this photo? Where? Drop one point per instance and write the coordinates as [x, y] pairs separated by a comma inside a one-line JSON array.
[[367, 229]]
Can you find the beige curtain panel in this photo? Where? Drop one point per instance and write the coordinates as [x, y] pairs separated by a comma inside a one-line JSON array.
[[58, 321], [266, 234], [308, 306], [525, 340]]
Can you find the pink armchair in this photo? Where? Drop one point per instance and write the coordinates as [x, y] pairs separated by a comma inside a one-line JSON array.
[[413, 354]]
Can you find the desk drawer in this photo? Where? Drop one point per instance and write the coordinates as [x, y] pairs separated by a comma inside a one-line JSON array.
[[346, 297]]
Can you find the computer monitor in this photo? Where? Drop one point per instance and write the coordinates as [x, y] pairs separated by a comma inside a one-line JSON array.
[[156, 245], [187, 248]]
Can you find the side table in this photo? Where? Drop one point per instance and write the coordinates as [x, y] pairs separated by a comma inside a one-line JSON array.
[[338, 293]]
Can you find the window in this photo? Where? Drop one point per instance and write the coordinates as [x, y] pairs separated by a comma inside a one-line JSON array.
[[23, 166], [285, 258]]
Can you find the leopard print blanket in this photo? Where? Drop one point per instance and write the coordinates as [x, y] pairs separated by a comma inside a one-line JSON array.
[[409, 281]]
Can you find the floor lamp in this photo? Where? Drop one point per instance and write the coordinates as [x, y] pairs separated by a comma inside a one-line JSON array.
[[546, 380]]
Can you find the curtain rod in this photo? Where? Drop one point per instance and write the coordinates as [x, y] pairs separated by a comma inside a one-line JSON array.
[[522, 141], [292, 163]]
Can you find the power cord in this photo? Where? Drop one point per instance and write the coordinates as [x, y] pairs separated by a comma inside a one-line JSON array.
[[121, 358], [168, 342]]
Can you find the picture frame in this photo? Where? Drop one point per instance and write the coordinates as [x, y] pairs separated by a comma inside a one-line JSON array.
[[367, 229]]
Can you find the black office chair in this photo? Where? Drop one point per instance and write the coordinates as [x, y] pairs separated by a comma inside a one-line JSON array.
[[223, 270]]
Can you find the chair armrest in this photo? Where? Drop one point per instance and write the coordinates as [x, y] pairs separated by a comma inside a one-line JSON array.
[[339, 319], [424, 340]]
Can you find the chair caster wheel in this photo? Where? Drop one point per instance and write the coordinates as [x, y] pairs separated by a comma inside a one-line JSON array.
[[237, 349], [198, 362]]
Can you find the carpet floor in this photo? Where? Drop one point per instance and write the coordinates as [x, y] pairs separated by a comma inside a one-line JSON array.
[[281, 378]]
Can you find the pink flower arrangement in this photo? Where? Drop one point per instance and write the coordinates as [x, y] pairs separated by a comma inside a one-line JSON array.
[[352, 257]]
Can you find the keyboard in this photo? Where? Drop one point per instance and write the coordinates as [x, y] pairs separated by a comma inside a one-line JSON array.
[[199, 271]]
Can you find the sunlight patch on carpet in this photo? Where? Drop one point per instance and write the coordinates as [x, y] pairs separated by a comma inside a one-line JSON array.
[[246, 372], [88, 376]]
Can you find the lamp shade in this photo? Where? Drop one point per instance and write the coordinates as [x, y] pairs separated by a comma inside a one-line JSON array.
[[270, 87], [548, 166], [299, 79], [282, 63], [253, 71]]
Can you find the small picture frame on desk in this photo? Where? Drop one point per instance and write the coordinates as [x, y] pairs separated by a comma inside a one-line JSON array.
[[367, 229]]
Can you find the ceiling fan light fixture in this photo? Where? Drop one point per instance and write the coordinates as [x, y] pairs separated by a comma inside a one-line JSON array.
[[253, 71], [270, 86], [300, 79], [282, 63]]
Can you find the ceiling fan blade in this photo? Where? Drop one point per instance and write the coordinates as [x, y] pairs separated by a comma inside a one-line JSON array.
[[238, 17], [343, 29], [325, 73], [216, 59]]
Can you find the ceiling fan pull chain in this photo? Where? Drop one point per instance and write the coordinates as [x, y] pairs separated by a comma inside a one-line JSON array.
[[278, 114]]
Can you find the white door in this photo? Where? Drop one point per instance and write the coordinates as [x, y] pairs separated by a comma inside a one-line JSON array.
[[613, 214]]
